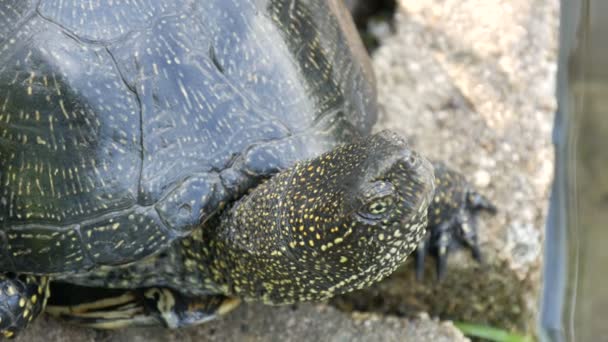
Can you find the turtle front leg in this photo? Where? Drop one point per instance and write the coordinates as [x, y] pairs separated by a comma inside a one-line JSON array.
[[452, 219], [102, 308], [22, 298]]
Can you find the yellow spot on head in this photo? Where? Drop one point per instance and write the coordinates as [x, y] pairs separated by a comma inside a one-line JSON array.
[[343, 259]]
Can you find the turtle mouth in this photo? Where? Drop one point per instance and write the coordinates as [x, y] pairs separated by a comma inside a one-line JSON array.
[[416, 183], [425, 173], [416, 190]]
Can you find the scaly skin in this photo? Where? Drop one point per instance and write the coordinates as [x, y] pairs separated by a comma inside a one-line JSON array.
[[452, 219], [336, 223], [22, 298], [331, 225], [327, 226], [124, 133]]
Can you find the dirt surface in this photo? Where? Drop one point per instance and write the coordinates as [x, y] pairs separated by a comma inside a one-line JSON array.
[[256, 322], [471, 83]]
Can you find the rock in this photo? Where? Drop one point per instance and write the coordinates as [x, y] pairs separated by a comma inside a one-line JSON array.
[[362, 10], [466, 81], [256, 322], [481, 179]]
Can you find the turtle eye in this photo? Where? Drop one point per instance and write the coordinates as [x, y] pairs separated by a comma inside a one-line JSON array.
[[377, 208], [377, 200]]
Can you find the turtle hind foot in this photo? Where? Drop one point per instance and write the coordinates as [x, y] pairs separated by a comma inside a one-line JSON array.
[[452, 220], [102, 308], [178, 310], [22, 298]]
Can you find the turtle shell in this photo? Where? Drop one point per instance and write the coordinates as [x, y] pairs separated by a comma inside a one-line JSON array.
[[126, 124]]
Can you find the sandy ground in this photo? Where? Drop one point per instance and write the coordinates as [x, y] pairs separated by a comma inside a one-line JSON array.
[[469, 82], [472, 83]]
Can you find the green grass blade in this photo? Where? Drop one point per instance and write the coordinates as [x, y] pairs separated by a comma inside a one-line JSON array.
[[490, 333]]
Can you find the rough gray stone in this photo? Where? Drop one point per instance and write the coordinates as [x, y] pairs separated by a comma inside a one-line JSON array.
[[471, 83], [256, 322]]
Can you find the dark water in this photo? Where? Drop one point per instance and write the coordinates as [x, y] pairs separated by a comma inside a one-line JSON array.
[[575, 301]]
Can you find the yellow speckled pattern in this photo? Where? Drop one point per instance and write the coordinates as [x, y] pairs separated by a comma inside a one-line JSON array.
[[329, 225], [183, 152], [22, 298], [452, 218], [124, 124]]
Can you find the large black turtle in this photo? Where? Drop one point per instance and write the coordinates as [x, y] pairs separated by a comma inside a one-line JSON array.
[[160, 158]]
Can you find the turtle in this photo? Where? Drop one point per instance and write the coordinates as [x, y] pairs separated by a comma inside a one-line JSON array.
[[163, 160]]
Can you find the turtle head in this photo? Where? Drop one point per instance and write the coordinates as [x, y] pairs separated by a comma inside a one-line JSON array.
[[360, 211], [332, 224]]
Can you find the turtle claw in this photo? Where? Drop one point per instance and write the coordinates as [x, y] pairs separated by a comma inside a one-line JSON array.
[[442, 241], [442, 262], [466, 231], [452, 218], [421, 252], [478, 202], [476, 253], [103, 308], [437, 243]]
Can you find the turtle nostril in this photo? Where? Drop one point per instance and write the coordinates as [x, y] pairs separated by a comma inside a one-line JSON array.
[[410, 159]]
